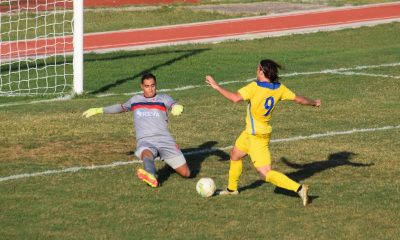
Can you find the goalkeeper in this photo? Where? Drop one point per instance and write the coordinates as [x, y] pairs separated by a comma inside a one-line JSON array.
[[151, 125]]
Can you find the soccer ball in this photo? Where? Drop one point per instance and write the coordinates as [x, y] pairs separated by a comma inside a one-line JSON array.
[[205, 187]]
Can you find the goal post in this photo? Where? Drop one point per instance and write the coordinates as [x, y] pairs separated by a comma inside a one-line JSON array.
[[78, 47], [41, 47]]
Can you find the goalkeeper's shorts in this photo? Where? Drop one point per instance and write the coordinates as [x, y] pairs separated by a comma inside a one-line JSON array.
[[165, 147]]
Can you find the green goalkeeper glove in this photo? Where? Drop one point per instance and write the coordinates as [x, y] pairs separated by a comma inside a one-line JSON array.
[[92, 111], [177, 110]]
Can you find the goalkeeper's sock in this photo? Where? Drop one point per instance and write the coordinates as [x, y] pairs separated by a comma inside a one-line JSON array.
[[235, 170], [149, 165], [281, 180]]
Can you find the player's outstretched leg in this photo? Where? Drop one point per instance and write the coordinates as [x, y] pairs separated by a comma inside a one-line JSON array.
[[282, 181], [148, 174]]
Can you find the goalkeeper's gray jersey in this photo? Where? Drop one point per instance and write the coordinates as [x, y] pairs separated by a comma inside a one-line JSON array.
[[150, 115]]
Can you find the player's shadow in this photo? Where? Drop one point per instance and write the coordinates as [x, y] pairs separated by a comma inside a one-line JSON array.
[[307, 170], [183, 55], [194, 158]]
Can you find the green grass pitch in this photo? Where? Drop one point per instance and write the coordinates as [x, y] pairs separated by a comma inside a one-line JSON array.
[[352, 170]]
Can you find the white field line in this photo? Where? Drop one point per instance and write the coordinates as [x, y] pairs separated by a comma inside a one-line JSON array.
[[62, 98], [200, 151], [326, 71], [367, 74], [66, 170], [344, 71]]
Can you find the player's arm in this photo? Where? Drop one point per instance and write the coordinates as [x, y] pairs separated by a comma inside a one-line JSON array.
[[306, 101], [117, 108], [233, 96]]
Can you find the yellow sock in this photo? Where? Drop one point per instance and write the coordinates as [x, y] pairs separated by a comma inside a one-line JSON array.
[[281, 180], [235, 170]]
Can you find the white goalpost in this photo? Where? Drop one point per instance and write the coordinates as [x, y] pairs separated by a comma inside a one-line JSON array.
[[78, 47], [41, 47]]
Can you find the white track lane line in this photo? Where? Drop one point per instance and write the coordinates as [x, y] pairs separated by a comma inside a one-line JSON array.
[[201, 151]]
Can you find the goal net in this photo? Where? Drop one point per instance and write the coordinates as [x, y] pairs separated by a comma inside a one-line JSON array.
[[37, 47]]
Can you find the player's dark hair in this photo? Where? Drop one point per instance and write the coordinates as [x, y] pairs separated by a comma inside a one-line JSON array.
[[148, 76], [270, 69]]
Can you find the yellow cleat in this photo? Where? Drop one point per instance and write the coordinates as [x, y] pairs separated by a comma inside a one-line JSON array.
[[147, 178]]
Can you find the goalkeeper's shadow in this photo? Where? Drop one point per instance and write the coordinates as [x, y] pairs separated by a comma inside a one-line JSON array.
[[182, 55], [194, 158]]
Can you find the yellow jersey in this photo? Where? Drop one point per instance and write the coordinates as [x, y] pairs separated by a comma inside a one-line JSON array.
[[263, 97]]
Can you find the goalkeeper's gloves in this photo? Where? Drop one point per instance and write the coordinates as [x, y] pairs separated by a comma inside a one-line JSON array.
[[177, 110], [92, 111]]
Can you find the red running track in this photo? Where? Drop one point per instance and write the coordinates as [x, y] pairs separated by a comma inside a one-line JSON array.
[[207, 31]]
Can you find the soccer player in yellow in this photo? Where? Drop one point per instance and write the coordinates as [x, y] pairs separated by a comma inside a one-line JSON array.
[[262, 96]]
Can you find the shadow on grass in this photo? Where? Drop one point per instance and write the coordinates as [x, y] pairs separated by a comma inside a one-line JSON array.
[[184, 54], [194, 158], [254, 184], [307, 170]]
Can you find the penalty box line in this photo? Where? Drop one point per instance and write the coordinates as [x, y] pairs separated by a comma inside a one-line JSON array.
[[343, 71], [201, 151]]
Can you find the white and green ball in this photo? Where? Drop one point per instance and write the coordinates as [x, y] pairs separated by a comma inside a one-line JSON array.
[[205, 187]]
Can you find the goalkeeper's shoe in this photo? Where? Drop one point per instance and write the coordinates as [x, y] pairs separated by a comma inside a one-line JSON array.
[[303, 193], [228, 192], [147, 178]]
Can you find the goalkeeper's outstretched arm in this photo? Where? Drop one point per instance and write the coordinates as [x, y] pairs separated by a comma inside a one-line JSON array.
[[117, 108]]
